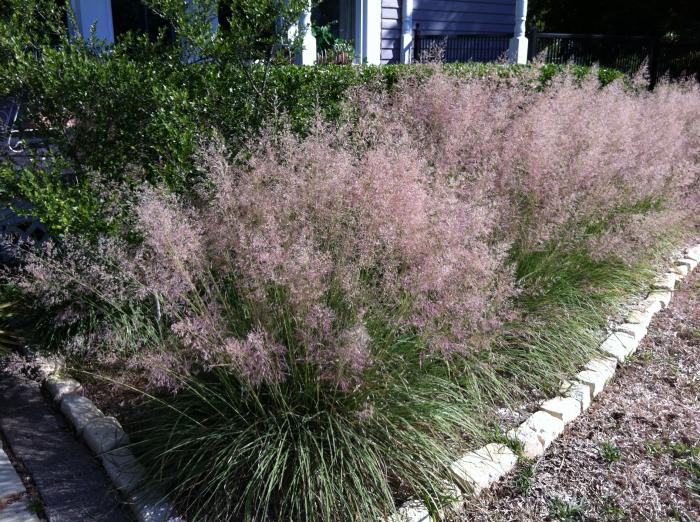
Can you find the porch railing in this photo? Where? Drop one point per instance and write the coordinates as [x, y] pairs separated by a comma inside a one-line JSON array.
[[485, 47]]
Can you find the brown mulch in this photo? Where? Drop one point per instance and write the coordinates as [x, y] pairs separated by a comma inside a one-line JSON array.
[[635, 454]]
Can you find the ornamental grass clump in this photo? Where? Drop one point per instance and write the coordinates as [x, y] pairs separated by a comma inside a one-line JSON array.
[[313, 285], [612, 168], [326, 321], [304, 308], [287, 256]]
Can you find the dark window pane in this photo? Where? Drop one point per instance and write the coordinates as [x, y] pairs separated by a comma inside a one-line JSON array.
[[134, 16]]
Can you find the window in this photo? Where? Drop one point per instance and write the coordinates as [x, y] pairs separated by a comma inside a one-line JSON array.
[[339, 15], [134, 16]]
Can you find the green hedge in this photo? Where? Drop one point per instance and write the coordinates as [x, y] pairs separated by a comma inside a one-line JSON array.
[[137, 117]]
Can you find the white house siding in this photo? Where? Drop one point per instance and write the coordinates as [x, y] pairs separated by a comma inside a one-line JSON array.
[[391, 31], [455, 17]]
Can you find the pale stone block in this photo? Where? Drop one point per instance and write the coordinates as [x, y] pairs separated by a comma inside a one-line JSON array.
[[604, 365], [593, 379], [49, 367], [123, 469], [530, 444], [565, 409], [10, 483], [666, 281], [642, 317], [693, 253], [662, 296], [456, 500], [680, 269], [546, 427], [651, 305], [17, 512], [58, 387], [636, 330], [104, 434], [629, 342], [686, 261], [150, 505], [79, 411], [579, 391], [411, 511], [614, 347], [483, 467]]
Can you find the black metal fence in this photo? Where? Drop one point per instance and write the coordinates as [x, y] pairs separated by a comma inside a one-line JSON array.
[[486, 47], [626, 53], [676, 60]]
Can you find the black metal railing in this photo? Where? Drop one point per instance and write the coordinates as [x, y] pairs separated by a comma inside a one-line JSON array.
[[485, 47], [676, 60], [625, 53]]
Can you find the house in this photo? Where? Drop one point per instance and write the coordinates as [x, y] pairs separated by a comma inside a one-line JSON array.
[[382, 31]]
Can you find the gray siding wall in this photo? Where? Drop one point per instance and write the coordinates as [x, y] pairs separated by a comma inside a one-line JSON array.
[[454, 17], [391, 31]]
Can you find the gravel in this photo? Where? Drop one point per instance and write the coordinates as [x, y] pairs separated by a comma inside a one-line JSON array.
[[635, 454]]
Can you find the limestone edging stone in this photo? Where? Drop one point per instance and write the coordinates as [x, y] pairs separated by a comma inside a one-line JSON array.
[[107, 440]]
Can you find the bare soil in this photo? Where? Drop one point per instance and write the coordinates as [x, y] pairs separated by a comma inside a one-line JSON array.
[[635, 454]]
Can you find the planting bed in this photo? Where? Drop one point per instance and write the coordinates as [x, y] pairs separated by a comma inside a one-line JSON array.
[[484, 467], [315, 319], [481, 468]]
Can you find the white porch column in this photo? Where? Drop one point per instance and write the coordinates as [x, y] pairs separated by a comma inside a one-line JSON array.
[[517, 49], [368, 41], [407, 31], [98, 12], [307, 54]]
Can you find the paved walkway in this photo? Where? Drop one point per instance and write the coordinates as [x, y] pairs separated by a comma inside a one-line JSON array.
[[70, 481]]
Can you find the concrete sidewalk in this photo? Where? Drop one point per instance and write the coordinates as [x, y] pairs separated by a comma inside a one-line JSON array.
[[71, 483], [13, 495]]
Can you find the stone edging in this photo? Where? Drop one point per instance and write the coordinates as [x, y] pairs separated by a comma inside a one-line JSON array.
[[486, 466], [109, 443]]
